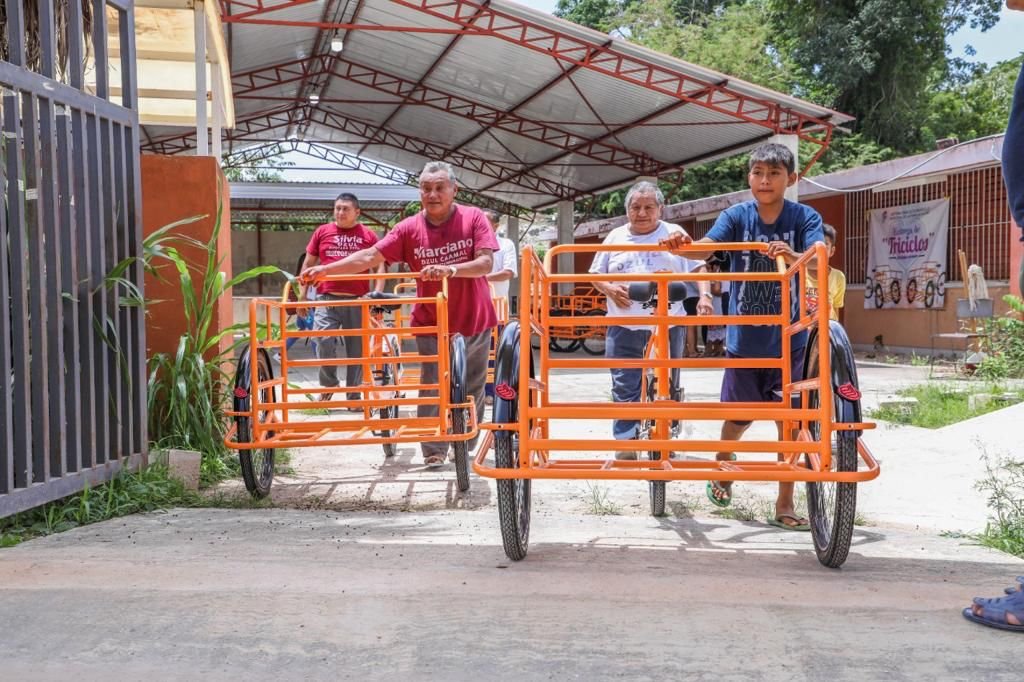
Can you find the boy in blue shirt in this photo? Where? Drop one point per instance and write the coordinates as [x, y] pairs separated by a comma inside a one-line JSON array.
[[789, 229]]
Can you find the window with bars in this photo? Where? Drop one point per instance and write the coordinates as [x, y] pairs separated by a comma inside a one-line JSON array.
[[978, 217]]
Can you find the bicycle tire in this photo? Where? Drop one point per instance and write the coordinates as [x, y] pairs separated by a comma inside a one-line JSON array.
[[895, 291], [593, 340], [561, 344], [460, 416], [655, 489], [388, 412], [912, 290], [460, 449], [257, 464], [929, 294], [879, 296], [831, 506], [514, 494]]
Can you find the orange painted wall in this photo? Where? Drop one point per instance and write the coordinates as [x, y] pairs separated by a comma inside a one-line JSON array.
[[175, 188], [1016, 255]]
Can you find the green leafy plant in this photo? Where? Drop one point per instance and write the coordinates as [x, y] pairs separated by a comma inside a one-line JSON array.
[[1006, 336], [187, 394], [1004, 486], [188, 391]]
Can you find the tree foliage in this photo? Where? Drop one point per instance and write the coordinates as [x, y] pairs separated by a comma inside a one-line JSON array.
[[886, 62]]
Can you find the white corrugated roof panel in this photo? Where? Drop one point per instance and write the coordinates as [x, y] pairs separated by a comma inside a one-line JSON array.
[[558, 94]]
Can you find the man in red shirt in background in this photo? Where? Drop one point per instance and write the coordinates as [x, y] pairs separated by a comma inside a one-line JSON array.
[[330, 243], [443, 240]]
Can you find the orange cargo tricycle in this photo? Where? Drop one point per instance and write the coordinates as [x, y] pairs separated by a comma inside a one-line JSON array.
[[821, 409], [262, 422]]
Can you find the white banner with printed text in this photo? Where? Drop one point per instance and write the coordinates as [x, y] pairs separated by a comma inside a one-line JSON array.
[[907, 256]]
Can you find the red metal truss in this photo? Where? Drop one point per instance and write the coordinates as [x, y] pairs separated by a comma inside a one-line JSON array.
[[352, 162], [487, 117], [477, 18], [252, 8], [249, 127], [606, 59]]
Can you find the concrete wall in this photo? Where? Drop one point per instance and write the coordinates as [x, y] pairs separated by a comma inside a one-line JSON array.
[[250, 249], [175, 188]]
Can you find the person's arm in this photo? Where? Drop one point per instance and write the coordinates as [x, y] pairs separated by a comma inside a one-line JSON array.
[[378, 284], [360, 261], [480, 266], [309, 262], [704, 306], [508, 263], [811, 232], [722, 231], [838, 292]]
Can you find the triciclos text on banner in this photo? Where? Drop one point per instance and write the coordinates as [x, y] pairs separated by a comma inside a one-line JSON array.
[[907, 256]]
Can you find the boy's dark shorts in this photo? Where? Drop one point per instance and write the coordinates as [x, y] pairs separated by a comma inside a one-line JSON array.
[[761, 385]]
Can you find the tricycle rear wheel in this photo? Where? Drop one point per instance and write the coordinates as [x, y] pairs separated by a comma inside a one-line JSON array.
[[832, 506]]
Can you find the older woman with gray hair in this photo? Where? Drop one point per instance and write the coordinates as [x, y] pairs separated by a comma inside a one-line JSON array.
[[644, 205]]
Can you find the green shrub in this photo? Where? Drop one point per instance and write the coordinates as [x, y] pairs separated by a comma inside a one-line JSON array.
[[1004, 486]]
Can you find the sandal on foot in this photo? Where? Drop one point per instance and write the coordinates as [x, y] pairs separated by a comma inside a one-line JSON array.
[[719, 495], [996, 613], [1019, 587], [798, 523], [433, 461]]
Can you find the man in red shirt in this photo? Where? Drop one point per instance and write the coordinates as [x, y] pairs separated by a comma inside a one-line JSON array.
[[330, 243], [443, 240]]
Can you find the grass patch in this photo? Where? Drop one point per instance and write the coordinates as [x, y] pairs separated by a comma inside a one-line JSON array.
[[1004, 486], [126, 493], [599, 503], [940, 405]]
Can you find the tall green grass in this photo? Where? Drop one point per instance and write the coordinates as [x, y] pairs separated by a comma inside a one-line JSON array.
[[188, 391], [126, 493]]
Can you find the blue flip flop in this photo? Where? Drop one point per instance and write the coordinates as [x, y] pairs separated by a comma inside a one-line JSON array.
[[994, 612]]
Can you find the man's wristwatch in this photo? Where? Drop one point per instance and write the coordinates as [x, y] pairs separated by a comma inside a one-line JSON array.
[[453, 269]]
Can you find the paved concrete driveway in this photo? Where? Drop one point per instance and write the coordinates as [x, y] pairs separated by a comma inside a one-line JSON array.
[[279, 594], [381, 570]]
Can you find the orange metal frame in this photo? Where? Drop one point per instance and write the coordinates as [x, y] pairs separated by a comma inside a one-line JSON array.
[[800, 458], [272, 422]]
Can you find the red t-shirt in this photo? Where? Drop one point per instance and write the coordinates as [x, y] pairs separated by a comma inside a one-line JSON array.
[[331, 243], [418, 243]]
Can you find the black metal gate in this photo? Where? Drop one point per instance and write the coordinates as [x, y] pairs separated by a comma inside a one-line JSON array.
[[72, 407]]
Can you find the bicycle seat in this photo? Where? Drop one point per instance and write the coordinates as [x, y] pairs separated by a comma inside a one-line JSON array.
[[382, 296], [644, 292]]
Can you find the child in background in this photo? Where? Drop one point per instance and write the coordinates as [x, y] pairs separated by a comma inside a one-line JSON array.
[[836, 281]]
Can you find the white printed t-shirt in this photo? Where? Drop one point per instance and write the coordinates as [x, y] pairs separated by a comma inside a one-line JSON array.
[[616, 263], [504, 259]]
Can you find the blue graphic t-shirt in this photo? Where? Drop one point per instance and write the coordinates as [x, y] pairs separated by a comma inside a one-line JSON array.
[[800, 227]]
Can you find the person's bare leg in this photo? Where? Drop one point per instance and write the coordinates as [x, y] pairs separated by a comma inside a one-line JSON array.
[[785, 507], [730, 431]]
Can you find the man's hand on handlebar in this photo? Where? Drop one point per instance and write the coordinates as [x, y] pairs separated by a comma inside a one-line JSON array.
[[435, 273], [704, 306], [676, 240], [618, 292], [312, 274]]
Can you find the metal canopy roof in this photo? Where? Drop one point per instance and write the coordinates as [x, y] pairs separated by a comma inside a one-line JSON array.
[[530, 108], [318, 196], [310, 203]]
